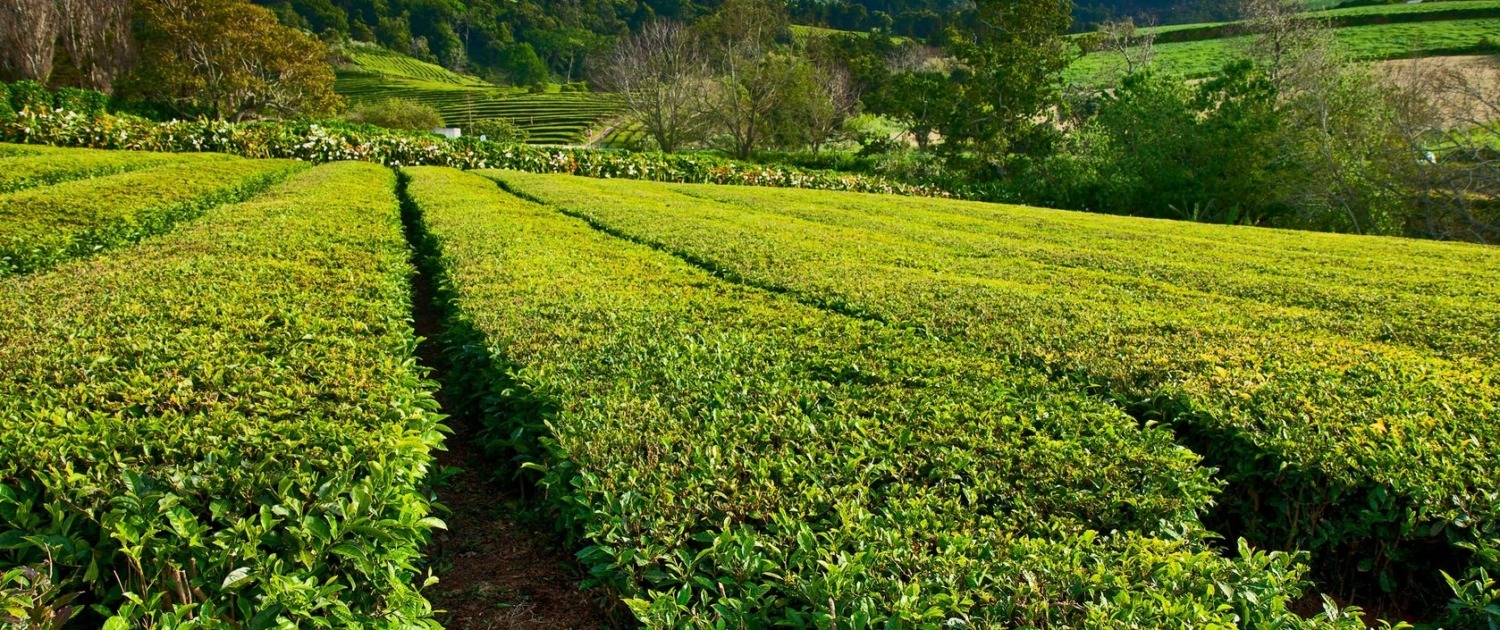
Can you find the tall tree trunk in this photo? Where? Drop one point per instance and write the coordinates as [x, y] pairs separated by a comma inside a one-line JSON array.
[[28, 38]]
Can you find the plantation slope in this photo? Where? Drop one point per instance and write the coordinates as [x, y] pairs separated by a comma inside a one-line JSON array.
[[226, 421], [376, 74], [48, 165], [732, 456], [40, 227], [1285, 358], [1366, 43], [374, 60]]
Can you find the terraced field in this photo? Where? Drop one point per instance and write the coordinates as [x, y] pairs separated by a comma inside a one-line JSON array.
[[549, 118], [746, 407], [1412, 30]]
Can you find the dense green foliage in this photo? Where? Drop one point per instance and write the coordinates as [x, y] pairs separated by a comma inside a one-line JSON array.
[[224, 427], [396, 113], [732, 456], [24, 167], [42, 226], [500, 130], [1345, 387], [501, 40]]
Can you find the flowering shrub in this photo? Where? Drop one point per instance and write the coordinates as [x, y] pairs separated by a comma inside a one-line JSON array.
[[327, 142]]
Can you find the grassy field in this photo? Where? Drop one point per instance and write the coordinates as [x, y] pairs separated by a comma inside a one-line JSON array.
[[746, 407], [550, 118]]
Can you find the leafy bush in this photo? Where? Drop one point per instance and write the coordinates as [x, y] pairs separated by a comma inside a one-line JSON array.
[[87, 102], [242, 438], [1344, 387], [30, 95], [41, 227], [6, 111], [500, 130], [735, 458], [396, 113]]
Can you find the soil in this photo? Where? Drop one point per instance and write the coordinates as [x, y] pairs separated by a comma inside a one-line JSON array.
[[495, 571]]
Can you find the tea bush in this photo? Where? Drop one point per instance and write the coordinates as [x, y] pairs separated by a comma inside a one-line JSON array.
[[43, 226], [224, 427], [23, 167], [1345, 387], [733, 458]]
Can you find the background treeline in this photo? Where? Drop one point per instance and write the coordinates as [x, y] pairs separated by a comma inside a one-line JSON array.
[[500, 40]]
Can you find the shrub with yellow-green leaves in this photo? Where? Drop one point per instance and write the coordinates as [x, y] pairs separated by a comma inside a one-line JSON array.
[[40, 227], [224, 427], [733, 458], [30, 167], [1346, 388]]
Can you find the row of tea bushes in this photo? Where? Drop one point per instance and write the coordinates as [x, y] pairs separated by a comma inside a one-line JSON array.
[[1373, 447], [24, 167], [732, 458], [318, 143], [224, 427], [40, 227]]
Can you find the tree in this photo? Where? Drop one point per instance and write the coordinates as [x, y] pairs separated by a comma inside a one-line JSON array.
[[662, 74], [1283, 38], [93, 35], [748, 91], [1132, 47], [28, 37], [1013, 57], [523, 67], [230, 59], [831, 99], [97, 39]]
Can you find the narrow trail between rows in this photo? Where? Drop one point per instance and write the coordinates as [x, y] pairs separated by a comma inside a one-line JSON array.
[[495, 571]]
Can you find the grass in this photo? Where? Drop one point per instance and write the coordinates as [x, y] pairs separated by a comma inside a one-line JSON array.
[[224, 426], [1345, 387], [551, 117], [733, 456], [40, 227], [1367, 43]]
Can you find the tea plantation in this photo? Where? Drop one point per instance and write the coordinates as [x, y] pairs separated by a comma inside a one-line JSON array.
[[743, 407], [1368, 33], [549, 117]]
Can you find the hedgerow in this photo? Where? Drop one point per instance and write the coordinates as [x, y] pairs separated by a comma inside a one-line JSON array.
[[317, 143], [223, 427], [40, 227], [732, 458], [1345, 387], [32, 166]]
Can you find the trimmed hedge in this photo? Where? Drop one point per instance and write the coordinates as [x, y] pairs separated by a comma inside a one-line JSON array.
[[41, 227], [1346, 387], [735, 459], [225, 427], [320, 143], [24, 167]]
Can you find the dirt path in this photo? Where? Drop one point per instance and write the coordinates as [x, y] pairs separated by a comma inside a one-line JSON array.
[[494, 572]]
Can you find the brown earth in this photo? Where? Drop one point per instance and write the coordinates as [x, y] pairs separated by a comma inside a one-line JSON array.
[[494, 571]]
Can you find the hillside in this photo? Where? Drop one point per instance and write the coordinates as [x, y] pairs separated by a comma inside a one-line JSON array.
[[1373, 33], [971, 399], [553, 117]]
